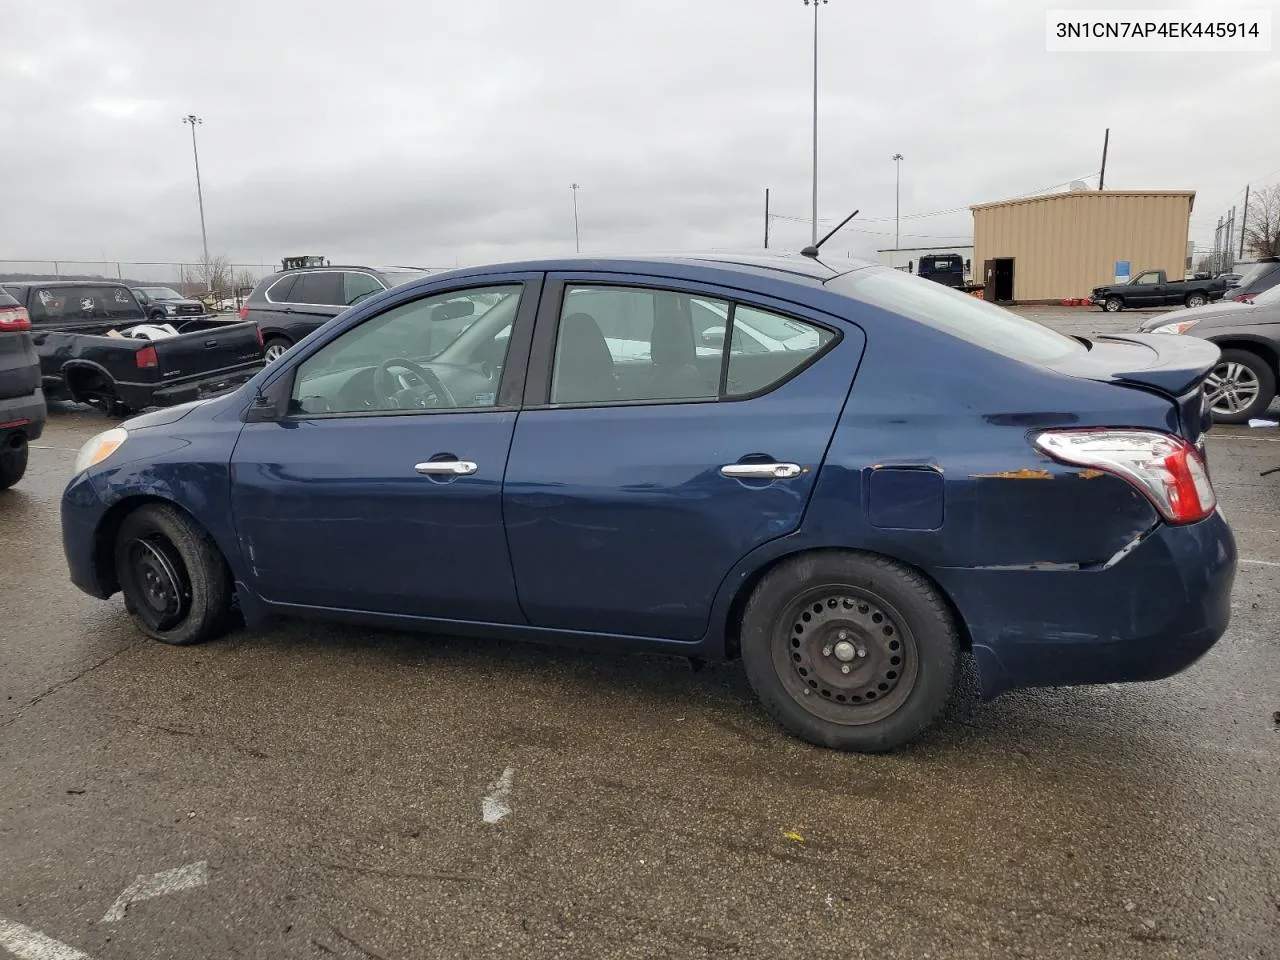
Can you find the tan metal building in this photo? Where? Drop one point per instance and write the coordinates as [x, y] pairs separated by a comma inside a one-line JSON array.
[[1062, 245]]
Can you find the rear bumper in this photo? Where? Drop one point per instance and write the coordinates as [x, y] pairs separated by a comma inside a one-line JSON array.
[[23, 414], [1152, 614], [138, 396]]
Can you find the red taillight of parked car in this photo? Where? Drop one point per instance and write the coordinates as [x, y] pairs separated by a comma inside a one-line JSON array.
[[244, 312], [1244, 297], [146, 358], [14, 319], [1166, 469]]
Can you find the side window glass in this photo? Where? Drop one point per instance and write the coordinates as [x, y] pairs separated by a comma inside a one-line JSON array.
[[358, 286], [319, 288], [281, 290], [627, 343], [768, 348], [445, 351]]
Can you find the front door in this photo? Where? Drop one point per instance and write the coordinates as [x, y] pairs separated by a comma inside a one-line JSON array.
[[655, 451], [1146, 291], [380, 491], [989, 281]]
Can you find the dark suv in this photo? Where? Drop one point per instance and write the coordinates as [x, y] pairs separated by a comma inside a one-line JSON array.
[[22, 411], [289, 304]]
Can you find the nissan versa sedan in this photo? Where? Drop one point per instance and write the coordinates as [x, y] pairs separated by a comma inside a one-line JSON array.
[[909, 476]]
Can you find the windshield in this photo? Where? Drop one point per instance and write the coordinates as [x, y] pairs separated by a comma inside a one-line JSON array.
[[162, 293], [986, 325]]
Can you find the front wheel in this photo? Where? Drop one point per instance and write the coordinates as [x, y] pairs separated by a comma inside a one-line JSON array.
[[1113, 305], [175, 582], [13, 464], [1196, 300], [1240, 387], [849, 650]]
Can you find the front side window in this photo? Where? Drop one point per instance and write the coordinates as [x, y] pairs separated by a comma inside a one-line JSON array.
[[1147, 279], [358, 286], [446, 351]]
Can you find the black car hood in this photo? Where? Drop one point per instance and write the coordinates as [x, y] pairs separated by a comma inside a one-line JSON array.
[[1227, 308], [1160, 361]]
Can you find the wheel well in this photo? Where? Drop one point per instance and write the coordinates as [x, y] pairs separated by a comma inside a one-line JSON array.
[[78, 378], [733, 625], [276, 335], [1252, 346], [104, 538]]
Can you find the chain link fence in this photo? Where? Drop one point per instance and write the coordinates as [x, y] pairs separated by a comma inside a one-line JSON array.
[[231, 282]]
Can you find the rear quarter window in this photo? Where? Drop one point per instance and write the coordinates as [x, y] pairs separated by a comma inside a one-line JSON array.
[[968, 318]]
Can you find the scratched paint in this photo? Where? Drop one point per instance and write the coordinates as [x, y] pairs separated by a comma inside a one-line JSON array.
[[496, 805], [27, 944], [1026, 473], [158, 885]]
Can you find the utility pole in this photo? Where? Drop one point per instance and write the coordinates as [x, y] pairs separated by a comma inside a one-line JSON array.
[[1102, 175], [577, 245], [1229, 242], [766, 218], [897, 194], [192, 119], [1244, 220], [815, 4]]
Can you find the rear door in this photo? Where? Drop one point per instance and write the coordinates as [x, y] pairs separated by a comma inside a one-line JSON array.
[[315, 298], [644, 466]]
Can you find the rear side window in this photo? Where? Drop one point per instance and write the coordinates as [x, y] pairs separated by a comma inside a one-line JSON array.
[[768, 348], [323, 288], [281, 289], [986, 325]]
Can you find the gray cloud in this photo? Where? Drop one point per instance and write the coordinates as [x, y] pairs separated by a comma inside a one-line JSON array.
[[442, 133]]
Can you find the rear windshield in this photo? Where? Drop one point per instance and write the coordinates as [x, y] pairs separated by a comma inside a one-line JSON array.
[[1255, 273], [994, 328], [84, 303]]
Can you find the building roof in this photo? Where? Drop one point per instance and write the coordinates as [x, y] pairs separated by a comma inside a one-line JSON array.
[[1075, 194], [939, 246]]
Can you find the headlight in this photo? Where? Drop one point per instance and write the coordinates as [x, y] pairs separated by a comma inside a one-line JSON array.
[[1182, 326], [170, 309], [99, 448]]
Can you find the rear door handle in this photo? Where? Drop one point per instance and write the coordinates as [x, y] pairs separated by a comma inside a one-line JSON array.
[[761, 471], [448, 468]]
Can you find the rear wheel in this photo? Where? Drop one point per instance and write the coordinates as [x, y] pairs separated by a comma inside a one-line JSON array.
[[1197, 300], [13, 463], [175, 582], [1113, 305], [850, 651], [1240, 387], [275, 347]]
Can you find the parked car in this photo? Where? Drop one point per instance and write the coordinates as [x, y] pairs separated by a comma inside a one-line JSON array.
[[167, 305], [1243, 383], [1152, 288], [812, 510], [70, 323], [22, 411], [1260, 276], [292, 303]]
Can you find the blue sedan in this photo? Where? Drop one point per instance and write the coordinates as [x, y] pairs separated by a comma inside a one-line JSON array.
[[846, 476]]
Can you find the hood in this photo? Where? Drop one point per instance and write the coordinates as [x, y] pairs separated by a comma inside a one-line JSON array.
[[1225, 308]]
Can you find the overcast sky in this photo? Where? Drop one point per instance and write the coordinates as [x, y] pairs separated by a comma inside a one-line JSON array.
[[434, 133]]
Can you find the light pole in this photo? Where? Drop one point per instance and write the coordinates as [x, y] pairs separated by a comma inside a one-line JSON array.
[[192, 119], [897, 193], [577, 245], [815, 4]]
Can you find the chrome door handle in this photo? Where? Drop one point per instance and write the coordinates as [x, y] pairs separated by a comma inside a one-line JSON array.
[[449, 468], [761, 471]]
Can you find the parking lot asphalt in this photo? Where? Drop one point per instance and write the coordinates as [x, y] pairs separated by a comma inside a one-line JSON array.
[[340, 792]]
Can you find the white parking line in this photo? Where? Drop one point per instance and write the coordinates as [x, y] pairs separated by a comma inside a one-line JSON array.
[[157, 885], [495, 806], [1260, 563], [27, 944]]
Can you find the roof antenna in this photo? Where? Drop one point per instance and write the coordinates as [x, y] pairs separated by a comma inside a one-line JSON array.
[[813, 250]]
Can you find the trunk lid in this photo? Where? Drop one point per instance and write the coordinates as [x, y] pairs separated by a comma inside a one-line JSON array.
[[1173, 366], [207, 351]]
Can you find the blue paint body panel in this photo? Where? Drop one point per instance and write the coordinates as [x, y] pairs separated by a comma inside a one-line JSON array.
[[612, 526]]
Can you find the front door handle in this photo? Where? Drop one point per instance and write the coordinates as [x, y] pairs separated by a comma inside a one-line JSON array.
[[448, 468], [761, 471]]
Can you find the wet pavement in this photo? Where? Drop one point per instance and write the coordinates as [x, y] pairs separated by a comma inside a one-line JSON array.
[[337, 792]]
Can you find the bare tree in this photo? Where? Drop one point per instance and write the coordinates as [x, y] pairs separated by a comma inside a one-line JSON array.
[[1262, 230], [215, 275], [244, 279]]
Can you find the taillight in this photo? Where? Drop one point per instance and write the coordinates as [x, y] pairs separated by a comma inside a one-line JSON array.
[[244, 312], [146, 358], [1165, 468], [1244, 297], [14, 319]]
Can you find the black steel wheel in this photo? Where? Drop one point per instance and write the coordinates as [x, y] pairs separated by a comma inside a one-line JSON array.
[[175, 582], [851, 651]]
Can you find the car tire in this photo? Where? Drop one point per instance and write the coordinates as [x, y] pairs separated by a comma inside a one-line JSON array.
[[13, 465], [175, 581], [1238, 375], [274, 347], [850, 651], [1197, 300], [1113, 305]]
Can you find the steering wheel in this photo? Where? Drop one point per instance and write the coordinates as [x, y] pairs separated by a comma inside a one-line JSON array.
[[427, 383]]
